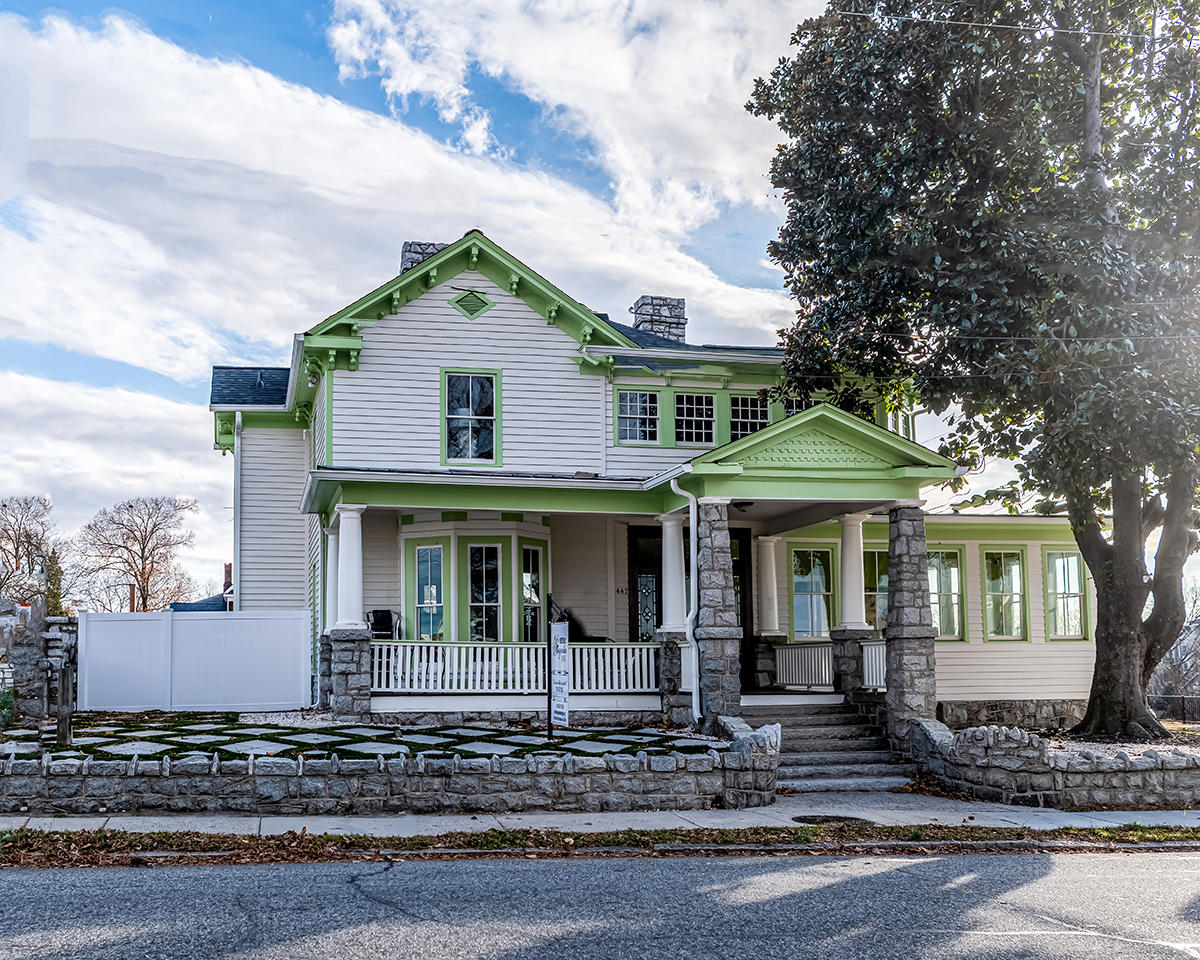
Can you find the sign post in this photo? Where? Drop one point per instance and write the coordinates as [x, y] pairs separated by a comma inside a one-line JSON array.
[[560, 678]]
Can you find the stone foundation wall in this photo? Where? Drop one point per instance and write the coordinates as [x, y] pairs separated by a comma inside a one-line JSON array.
[[741, 776], [1028, 714], [1014, 766]]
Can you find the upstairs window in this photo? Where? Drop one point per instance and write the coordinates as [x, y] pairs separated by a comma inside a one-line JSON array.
[[695, 418], [746, 415], [471, 417], [637, 416]]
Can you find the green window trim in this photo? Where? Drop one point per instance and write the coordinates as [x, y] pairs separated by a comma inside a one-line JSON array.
[[532, 543], [497, 459], [410, 582], [664, 420], [1018, 548], [1085, 584], [835, 603], [508, 613], [472, 303], [963, 617]]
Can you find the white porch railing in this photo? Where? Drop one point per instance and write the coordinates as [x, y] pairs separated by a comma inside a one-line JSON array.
[[874, 664], [519, 668], [804, 664]]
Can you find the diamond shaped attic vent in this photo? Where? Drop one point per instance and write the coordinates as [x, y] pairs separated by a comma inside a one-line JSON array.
[[471, 304]]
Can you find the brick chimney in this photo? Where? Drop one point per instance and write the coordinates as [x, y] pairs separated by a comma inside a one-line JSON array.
[[661, 315], [228, 577], [414, 251]]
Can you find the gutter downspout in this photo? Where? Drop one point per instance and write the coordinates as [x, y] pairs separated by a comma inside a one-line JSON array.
[[693, 591], [237, 511]]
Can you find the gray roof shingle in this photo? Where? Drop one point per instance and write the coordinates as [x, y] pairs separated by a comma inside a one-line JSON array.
[[249, 386]]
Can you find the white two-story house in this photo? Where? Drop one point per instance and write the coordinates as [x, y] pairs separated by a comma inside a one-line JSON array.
[[467, 453]]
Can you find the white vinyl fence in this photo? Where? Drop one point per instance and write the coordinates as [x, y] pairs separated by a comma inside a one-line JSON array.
[[255, 660]]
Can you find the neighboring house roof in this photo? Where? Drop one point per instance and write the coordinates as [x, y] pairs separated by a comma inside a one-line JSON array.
[[215, 602], [249, 386]]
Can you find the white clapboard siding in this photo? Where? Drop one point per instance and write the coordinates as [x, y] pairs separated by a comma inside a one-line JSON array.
[[991, 670], [386, 413], [317, 432], [273, 571], [582, 583], [381, 560]]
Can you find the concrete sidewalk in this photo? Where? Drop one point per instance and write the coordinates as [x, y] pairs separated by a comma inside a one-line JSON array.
[[885, 809]]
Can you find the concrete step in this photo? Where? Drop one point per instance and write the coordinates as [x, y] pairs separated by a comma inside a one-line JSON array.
[[843, 731], [846, 785], [830, 744], [842, 771], [775, 712], [815, 720], [814, 758]]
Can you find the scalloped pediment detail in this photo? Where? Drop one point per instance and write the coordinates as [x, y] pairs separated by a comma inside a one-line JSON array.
[[813, 448]]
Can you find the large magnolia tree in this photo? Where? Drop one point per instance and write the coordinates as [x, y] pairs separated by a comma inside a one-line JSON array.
[[994, 205]]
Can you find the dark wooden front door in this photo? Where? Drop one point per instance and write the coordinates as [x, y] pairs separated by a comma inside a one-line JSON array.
[[645, 582]]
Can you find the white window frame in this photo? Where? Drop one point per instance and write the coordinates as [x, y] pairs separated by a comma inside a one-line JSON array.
[[702, 418], [638, 419]]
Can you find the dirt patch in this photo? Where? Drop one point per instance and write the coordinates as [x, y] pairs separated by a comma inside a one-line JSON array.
[[1183, 741]]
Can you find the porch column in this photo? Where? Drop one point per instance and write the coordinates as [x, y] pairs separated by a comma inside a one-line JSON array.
[[331, 577], [674, 602], [350, 568], [350, 640], [718, 636], [911, 683], [852, 626], [768, 587]]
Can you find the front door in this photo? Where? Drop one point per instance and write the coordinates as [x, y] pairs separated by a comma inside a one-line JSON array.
[[645, 582], [740, 545]]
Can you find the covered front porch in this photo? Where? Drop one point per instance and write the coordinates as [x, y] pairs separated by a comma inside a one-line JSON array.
[[455, 580]]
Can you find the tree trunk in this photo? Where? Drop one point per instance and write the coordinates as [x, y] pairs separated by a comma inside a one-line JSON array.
[[1117, 707]]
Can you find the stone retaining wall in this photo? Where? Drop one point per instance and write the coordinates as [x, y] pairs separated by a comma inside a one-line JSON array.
[[579, 718], [741, 776], [1029, 714], [1014, 766]]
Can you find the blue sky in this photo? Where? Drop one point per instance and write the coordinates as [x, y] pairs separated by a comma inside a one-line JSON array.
[[186, 184]]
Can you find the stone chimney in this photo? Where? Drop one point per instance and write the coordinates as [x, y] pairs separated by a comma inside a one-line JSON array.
[[661, 315], [414, 251]]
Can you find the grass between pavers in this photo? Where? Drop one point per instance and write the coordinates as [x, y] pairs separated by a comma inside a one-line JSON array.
[[35, 848], [164, 728]]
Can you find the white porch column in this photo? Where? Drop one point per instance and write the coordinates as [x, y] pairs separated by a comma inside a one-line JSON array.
[[768, 587], [854, 604], [331, 577], [674, 611], [350, 568]]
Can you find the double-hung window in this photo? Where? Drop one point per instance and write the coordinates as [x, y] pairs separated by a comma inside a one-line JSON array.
[[812, 592], [695, 418], [746, 415], [1004, 594], [484, 604], [637, 416], [945, 593], [471, 417], [531, 594], [430, 606], [1064, 596], [875, 581]]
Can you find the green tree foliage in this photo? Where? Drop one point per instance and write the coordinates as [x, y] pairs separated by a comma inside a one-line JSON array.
[[994, 204]]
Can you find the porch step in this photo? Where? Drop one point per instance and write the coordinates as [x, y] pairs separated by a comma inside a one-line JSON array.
[[832, 757], [844, 731], [816, 720], [830, 744], [778, 712], [847, 770], [849, 784]]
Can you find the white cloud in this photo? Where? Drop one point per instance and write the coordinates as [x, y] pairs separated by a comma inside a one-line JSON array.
[[183, 210], [658, 85], [88, 447]]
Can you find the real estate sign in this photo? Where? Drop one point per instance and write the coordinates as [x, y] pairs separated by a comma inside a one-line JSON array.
[[560, 674]]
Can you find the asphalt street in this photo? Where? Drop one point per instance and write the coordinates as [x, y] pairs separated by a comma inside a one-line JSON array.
[[1074, 906]]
